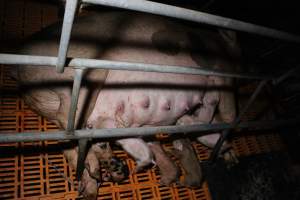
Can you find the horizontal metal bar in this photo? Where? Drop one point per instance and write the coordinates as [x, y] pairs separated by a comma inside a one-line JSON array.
[[191, 15], [74, 100], [17, 59], [70, 10], [200, 129], [130, 66]]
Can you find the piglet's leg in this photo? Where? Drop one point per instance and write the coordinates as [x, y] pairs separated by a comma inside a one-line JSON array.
[[71, 156], [92, 165]]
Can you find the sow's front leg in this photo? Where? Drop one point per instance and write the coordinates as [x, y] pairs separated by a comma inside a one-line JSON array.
[[139, 150]]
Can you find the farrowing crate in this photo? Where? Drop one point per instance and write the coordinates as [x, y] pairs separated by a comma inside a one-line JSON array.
[[38, 170]]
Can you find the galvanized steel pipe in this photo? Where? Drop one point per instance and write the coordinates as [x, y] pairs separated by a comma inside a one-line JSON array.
[[130, 66], [196, 16], [74, 100], [200, 129], [69, 15]]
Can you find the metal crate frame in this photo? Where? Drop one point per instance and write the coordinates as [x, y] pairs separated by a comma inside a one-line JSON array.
[[80, 64]]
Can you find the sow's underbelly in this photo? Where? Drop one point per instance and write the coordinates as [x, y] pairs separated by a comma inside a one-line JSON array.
[[133, 99]]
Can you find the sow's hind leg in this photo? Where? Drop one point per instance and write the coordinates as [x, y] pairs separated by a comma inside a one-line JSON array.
[[53, 101]]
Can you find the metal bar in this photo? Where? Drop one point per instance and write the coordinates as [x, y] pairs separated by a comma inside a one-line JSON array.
[[200, 129], [74, 100], [286, 75], [129, 66], [235, 123], [196, 16], [17, 59], [70, 10], [82, 152]]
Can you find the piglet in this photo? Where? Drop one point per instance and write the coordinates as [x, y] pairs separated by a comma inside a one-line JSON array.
[[115, 169], [139, 150], [168, 170], [102, 151], [91, 176], [88, 186], [188, 159], [91, 161]]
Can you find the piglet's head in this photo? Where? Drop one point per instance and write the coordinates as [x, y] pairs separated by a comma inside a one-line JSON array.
[[116, 170], [102, 151]]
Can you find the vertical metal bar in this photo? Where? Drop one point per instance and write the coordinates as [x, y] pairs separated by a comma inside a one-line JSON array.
[[70, 10], [82, 152], [82, 143], [236, 122], [75, 94], [39, 61]]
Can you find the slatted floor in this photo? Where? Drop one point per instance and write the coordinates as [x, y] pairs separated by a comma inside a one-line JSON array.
[[38, 170]]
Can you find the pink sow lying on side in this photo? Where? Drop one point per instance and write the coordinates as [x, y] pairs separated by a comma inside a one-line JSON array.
[[114, 98]]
